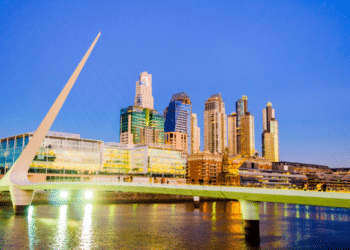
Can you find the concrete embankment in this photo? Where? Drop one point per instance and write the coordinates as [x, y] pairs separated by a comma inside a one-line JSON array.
[[52, 197]]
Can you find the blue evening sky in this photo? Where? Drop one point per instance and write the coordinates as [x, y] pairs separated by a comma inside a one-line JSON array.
[[295, 54]]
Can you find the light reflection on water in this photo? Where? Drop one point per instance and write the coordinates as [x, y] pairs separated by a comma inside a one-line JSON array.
[[61, 235], [31, 227], [87, 232], [214, 225]]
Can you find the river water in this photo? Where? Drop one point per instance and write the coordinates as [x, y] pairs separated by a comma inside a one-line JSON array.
[[214, 225]]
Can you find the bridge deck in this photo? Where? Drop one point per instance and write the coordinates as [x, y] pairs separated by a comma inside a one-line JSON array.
[[314, 198]]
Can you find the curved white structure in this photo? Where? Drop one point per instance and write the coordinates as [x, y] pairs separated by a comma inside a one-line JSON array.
[[19, 171]]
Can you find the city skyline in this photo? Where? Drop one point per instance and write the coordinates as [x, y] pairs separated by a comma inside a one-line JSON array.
[[298, 64]]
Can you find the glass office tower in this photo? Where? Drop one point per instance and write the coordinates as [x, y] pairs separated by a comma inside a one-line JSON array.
[[141, 126], [178, 116]]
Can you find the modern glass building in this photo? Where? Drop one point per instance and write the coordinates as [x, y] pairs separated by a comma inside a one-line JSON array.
[[241, 109], [65, 153], [116, 159], [141, 126], [178, 116], [59, 152], [168, 163]]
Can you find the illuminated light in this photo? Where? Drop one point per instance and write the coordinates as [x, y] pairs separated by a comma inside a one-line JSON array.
[[64, 195], [88, 195]]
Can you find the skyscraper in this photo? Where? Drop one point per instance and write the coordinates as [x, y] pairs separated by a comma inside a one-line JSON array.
[[270, 147], [195, 135], [141, 124], [178, 116], [241, 109], [143, 97], [241, 138], [247, 135], [232, 134], [215, 125]]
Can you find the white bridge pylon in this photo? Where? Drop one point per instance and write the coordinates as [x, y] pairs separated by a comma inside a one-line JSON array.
[[17, 175]]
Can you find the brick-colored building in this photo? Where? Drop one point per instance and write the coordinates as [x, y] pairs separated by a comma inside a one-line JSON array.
[[204, 168]]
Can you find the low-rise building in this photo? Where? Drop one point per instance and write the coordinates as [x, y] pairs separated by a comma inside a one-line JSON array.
[[59, 153], [302, 168], [65, 153], [204, 168], [270, 178]]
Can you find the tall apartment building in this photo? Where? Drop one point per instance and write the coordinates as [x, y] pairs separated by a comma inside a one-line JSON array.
[[232, 134], [215, 125], [195, 135], [178, 116], [241, 109], [141, 124], [270, 147], [241, 138], [143, 97], [247, 135]]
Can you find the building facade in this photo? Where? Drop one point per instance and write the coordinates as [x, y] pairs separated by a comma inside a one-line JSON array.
[[241, 137], [247, 135], [215, 125], [270, 143], [177, 140], [143, 97], [204, 168], [195, 135], [178, 116], [116, 159], [232, 134], [241, 109], [59, 152], [65, 153], [141, 126]]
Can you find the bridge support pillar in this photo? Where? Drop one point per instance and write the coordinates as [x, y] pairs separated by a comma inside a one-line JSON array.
[[21, 199], [250, 213], [196, 200]]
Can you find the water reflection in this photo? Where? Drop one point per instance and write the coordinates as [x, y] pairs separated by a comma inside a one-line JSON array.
[[61, 235], [111, 212], [87, 232], [213, 217], [214, 225], [31, 227]]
